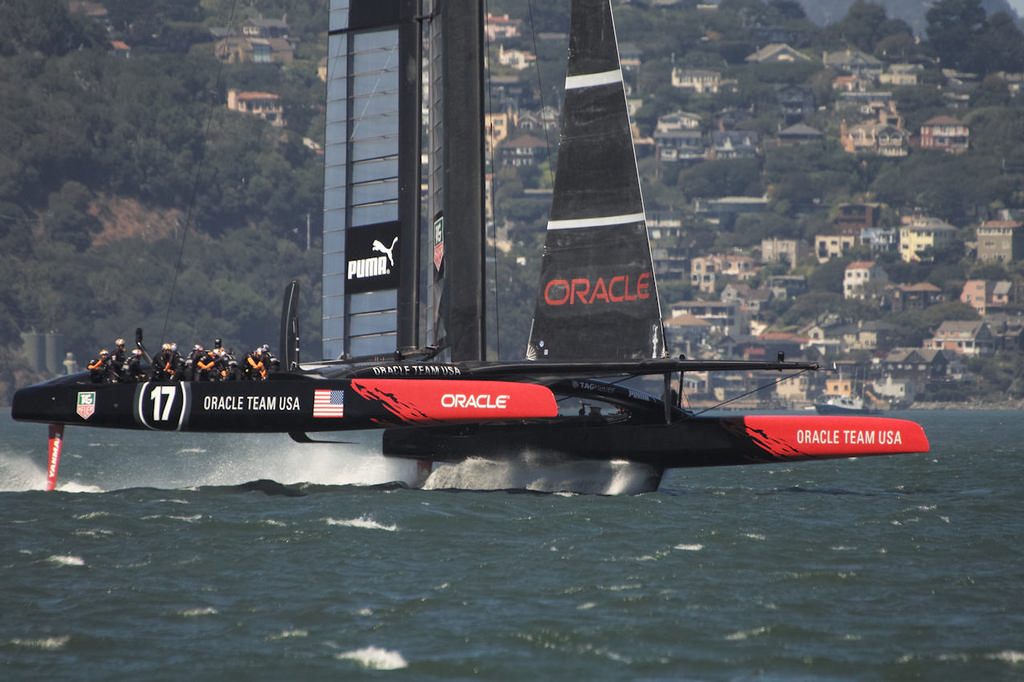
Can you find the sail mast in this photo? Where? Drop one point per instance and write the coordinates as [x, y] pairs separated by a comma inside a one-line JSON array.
[[371, 179], [462, 308]]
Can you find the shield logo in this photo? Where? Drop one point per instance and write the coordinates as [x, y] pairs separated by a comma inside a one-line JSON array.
[[86, 404], [438, 242]]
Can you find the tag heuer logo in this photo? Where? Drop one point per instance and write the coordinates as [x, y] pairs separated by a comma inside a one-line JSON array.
[[86, 404]]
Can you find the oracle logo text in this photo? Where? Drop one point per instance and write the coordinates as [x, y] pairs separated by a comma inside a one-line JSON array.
[[585, 292], [484, 401]]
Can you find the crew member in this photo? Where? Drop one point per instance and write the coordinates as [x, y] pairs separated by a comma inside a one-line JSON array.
[[271, 363], [118, 360], [168, 364], [99, 368], [206, 366], [190, 364], [255, 369], [133, 370]]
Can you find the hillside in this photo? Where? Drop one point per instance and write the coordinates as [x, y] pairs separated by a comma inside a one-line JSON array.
[[131, 196], [824, 12]]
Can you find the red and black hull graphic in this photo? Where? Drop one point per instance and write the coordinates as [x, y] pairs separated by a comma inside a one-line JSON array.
[[296, 404], [686, 442]]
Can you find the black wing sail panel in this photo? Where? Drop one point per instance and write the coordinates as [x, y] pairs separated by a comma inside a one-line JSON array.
[[597, 298]]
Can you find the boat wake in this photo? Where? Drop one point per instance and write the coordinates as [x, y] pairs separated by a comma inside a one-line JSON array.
[[536, 475]]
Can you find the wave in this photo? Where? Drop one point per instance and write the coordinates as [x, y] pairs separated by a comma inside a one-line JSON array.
[[362, 522], [375, 658]]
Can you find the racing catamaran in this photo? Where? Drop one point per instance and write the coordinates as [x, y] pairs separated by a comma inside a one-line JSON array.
[[404, 281]]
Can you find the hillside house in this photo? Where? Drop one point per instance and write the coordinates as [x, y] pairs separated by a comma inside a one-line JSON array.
[[914, 296], [800, 134], [866, 335], [820, 338], [496, 129], [788, 251], [795, 102], [724, 210], [243, 49], [682, 145], [498, 28], [684, 333], [874, 137], [986, 295], [733, 144], [787, 286], [777, 53], [265, 28], [523, 150], [120, 49], [704, 270], [945, 133], [515, 59], [963, 337], [264, 105], [700, 81], [864, 280], [1000, 241], [880, 240], [722, 318], [854, 62], [921, 364], [901, 75], [857, 215], [922, 234], [829, 246]]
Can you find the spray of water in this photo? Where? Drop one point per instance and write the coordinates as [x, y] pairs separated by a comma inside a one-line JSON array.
[[544, 474]]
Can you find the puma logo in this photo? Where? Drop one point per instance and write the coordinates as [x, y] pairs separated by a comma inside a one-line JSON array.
[[379, 247]]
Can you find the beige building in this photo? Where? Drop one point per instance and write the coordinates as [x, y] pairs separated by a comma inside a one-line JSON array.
[[1000, 241], [858, 278], [829, 246], [923, 234], [259, 104]]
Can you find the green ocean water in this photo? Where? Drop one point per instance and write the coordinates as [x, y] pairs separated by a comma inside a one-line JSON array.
[[150, 562]]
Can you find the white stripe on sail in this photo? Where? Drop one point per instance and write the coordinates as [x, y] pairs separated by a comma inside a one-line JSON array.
[[589, 80], [595, 222]]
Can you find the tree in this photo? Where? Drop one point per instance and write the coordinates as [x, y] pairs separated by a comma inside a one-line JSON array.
[[863, 26], [961, 36], [45, 26]]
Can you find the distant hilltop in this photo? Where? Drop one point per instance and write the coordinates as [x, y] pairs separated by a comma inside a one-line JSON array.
[[824, 12]]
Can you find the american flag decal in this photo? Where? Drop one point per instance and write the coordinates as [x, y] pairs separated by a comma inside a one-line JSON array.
[[328, 403]]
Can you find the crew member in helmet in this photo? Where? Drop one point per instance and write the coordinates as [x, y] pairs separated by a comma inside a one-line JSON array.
[[191, 362], [206, 366], [133, 370], [168, 364], [99, 368], [118, 360], [255, 369]]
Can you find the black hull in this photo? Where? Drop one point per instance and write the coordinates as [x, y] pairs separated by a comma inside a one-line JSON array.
[[287, 403], [685, 443]]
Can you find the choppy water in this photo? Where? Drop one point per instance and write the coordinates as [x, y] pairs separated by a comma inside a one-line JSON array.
[[150, 563]]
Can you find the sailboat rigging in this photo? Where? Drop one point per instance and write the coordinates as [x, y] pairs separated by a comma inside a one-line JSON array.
[[404, 282]]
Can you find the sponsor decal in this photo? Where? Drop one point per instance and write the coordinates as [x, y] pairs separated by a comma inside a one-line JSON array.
[[251, 403], [416, 370], [372, 253], [328, 402], [849, 437], [419, 401], [483, 401], [86, 404], [583, 291], [438, 241]]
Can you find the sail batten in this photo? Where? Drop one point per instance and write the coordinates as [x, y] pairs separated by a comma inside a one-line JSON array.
[[605, 221], [590, 80]]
